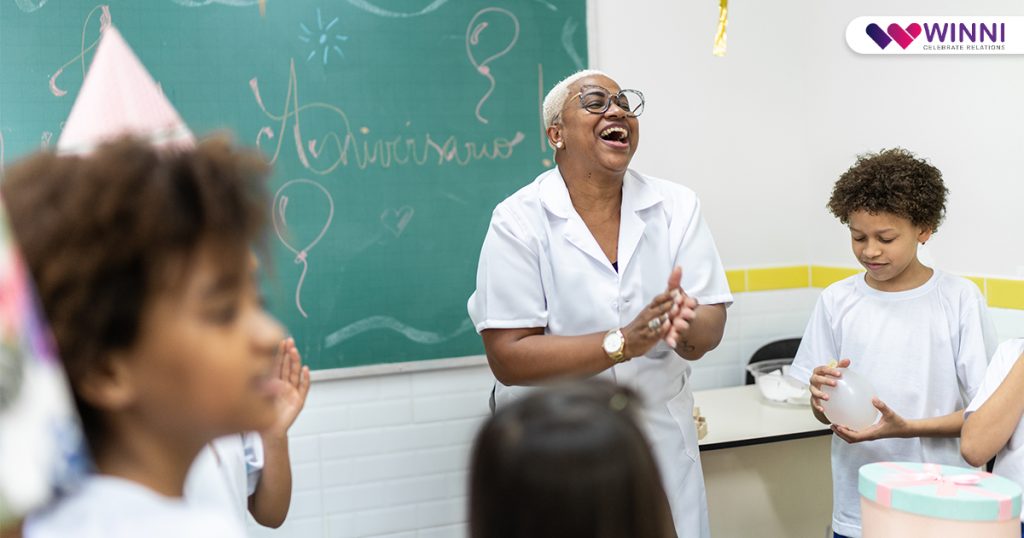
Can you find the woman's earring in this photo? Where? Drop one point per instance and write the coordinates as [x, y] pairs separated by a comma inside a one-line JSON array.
[[558, 144]]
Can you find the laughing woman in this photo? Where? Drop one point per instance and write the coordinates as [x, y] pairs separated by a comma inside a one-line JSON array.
[[580, 276]]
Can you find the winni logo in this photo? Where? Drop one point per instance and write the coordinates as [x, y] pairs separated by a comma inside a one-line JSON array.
[[941, 36], [902, 36]]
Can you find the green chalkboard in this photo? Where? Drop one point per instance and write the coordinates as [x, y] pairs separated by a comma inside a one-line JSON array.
[[395, 127]]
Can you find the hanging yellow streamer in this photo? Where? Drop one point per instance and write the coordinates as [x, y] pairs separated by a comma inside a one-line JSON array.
[[723, 20]]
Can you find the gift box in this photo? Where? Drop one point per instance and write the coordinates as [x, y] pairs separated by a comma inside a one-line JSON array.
[[924, 499]]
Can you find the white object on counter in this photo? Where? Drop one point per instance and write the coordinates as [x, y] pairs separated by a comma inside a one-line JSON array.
[[776, 385], [740, 415]]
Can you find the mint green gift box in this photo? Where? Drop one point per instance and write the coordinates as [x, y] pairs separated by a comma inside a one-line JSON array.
[[940, 491]]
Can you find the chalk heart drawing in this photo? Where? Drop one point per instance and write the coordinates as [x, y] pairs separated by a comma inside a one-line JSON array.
[[280, 219], [396, 220], [476, 28]]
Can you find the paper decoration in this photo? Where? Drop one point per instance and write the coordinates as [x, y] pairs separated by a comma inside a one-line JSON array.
[[120, 97], [723, 21], [42, 450]]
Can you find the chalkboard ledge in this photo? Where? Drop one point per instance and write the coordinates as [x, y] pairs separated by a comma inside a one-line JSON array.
[[372, 370]]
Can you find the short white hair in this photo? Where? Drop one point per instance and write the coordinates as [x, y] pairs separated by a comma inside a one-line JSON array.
[[555, 99]]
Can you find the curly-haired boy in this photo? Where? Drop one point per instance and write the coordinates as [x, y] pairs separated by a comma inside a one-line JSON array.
[[921, 336]]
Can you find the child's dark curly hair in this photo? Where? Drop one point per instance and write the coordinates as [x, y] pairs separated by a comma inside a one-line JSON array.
[[102, 235], [891, 181]]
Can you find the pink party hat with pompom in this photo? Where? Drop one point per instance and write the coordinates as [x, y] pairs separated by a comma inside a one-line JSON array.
[[119, 97]]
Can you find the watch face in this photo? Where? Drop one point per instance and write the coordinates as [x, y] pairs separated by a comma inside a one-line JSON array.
[[612, 342]]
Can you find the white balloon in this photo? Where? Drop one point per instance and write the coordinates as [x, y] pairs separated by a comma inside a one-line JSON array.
[[849, 402]]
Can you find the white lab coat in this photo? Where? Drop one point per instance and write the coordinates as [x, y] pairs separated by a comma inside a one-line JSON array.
[[541, 267]]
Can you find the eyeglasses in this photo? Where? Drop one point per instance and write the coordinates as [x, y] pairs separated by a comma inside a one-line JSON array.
[[597, 100]]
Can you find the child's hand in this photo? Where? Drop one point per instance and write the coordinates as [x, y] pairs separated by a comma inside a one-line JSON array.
[[890, 425], [293, 386], [821, 376]]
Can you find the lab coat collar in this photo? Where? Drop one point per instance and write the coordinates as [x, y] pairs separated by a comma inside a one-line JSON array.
[[637, 195]]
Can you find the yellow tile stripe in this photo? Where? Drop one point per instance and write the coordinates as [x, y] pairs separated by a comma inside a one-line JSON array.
[[778, 278], [999, 292], [737, 279], [1005, 293], [979, 281], [823, 276]]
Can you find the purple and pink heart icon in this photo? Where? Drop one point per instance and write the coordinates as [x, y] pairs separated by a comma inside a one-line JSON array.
[[894, 32]]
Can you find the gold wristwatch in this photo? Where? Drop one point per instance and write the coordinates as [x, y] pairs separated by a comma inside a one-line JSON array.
[[614, 344]]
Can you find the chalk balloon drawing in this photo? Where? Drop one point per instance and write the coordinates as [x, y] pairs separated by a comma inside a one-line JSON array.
[[285, 235], [476, 28], [105, 21]]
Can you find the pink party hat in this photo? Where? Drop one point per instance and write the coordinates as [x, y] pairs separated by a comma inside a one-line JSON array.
[[119, 97]]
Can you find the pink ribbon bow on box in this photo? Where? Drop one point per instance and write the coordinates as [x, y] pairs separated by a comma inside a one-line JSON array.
[[946, 486]]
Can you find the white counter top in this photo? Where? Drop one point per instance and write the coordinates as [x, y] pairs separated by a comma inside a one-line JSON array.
[[737, 416]]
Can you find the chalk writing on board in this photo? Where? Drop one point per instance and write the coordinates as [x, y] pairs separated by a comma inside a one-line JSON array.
[[568, 32], [28, 6], [342, 146], [201, 3], [369, 7], [320, 40], [473, 31], [280, 219], [391, 324], [544, 144], [548, 5], [105, 20]]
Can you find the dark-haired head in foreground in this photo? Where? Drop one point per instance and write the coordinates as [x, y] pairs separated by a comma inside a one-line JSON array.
[[567, 462]]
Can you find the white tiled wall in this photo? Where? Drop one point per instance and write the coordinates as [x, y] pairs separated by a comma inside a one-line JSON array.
[[386, 456], [755, 319]]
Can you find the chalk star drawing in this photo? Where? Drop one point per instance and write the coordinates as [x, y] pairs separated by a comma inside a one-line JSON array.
[[322, 43]]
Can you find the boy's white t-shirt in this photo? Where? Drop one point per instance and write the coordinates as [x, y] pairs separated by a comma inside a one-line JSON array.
[[924, 351], [1010, 459], [110, 507], [225, 474]]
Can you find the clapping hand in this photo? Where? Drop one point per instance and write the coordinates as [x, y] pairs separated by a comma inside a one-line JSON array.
[[292, 387]]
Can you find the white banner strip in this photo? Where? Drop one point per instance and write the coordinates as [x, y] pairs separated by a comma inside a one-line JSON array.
[[936, 35]]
